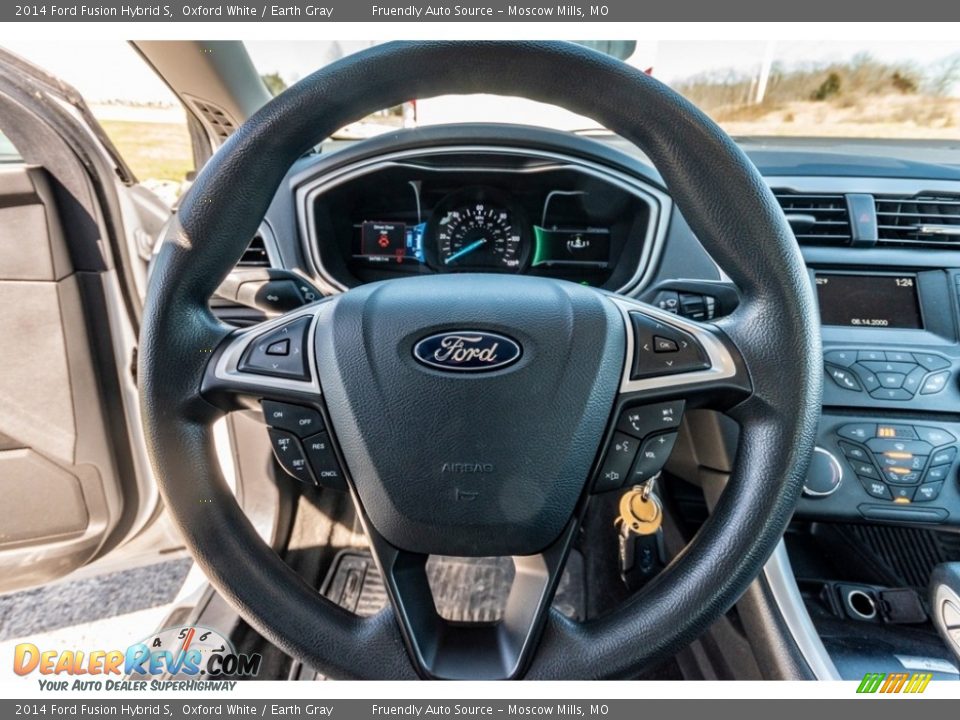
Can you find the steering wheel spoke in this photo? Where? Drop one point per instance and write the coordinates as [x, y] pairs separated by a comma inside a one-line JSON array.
[[672, 365], [447, 650], [274, 359]]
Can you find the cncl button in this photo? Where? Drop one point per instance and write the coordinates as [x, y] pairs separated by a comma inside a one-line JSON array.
[[322, 459]]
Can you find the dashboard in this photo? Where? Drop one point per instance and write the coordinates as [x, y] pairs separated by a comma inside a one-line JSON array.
[[492, 210], [878, 225]]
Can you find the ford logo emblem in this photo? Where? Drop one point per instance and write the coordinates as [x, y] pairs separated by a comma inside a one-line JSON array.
[[467, 351]]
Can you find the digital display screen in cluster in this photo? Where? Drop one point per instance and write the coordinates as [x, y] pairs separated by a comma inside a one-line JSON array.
[[872, 301]]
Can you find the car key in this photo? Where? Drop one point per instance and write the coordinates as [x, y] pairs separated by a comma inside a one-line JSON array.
[[640, 534]]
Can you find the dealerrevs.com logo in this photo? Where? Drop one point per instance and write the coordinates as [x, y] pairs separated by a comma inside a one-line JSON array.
[[176, 658], [890, 683]]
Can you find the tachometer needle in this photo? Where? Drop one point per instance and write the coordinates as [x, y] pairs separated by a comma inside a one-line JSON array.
[[465, 250]]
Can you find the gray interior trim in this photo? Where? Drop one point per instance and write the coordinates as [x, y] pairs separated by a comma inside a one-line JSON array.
[[660, 203], [124, 341], [270, 244], [783, 585]]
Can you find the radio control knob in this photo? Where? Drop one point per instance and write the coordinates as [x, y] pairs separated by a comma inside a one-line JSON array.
[[824, 475]]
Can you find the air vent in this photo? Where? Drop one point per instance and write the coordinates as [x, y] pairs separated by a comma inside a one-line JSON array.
[[919, 221], [816, 219], [255, 255], [217, 120]]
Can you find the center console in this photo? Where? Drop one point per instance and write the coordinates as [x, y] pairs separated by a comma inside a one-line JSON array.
[[888, 440]]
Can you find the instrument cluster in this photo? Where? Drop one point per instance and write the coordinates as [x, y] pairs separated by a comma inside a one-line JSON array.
[[557, 222]]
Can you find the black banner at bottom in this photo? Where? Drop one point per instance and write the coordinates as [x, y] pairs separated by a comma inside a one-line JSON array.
[[872, 706]]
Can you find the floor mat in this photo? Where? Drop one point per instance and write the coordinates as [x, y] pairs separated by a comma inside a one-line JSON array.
[[75, 602], [464, 589]]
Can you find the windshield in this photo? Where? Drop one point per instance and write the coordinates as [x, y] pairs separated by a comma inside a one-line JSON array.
[[762, 88]]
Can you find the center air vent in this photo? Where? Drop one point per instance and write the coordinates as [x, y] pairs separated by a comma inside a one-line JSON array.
[[255, 255], [816, 219], [920, 220]]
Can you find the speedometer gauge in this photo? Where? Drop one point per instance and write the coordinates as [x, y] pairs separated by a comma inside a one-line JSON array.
[[478, 229]]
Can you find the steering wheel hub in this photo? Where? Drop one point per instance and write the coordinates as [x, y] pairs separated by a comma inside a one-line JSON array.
[[470, 463]]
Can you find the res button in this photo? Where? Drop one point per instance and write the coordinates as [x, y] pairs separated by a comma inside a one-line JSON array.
[[323, 461]]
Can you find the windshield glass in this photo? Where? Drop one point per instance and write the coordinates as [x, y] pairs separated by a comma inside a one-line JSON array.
[[762, 88]]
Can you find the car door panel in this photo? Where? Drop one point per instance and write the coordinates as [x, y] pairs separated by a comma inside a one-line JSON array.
[[58, 483]]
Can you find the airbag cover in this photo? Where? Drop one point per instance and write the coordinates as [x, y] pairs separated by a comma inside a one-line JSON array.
[[470, 463]]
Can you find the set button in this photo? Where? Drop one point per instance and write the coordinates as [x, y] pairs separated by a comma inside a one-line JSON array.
[[290, 455]]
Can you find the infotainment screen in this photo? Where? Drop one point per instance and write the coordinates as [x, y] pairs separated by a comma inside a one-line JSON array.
[[869, 300]]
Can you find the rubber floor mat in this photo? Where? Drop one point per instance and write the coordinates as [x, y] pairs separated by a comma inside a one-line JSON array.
[[464, 589]]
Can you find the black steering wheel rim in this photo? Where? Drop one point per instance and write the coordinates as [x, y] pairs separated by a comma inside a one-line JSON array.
[[724, 200]]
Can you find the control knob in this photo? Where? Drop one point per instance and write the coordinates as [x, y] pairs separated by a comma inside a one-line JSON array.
[[824, 475]]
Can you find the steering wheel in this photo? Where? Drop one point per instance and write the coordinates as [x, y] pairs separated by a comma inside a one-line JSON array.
[[522, 418]]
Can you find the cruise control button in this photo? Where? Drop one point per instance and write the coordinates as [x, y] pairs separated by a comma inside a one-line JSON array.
[[857, 432], [843, 378], [935, 436], [652, 456], [854, 452], [290, 455], [928, 492], [931, 362], [258, 359], [616, 466], [843, 358], [940, 472], [935, 383], [324, 461], [300, 420], [875, 488], [642, 421], [943, 457]]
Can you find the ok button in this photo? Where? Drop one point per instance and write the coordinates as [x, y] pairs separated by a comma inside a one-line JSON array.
[[891, 379]]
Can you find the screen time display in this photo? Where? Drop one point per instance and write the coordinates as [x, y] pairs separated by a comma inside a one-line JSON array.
[[873, 301]]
